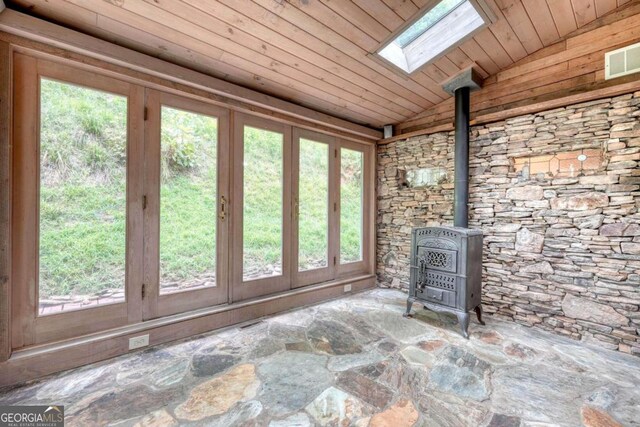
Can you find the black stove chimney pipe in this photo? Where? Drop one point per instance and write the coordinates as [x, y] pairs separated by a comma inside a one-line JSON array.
[[460, 86], [461, 175]]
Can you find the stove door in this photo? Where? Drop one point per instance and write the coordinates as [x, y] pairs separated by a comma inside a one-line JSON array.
[[430, 258]]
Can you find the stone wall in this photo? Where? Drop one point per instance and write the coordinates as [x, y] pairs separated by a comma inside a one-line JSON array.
[[561, 253]]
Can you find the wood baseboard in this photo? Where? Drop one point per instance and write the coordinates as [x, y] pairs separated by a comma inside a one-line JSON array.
[[37, 361]]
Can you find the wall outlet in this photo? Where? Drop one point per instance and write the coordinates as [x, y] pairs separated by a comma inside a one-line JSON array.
[[347, 288], [137, 342]]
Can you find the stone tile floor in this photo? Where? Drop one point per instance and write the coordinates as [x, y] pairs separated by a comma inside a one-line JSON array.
[[354, 361]]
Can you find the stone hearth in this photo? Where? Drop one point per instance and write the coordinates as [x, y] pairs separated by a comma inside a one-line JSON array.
[[354, 361]]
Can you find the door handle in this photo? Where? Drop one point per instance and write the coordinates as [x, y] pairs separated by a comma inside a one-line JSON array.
[[223, 208]]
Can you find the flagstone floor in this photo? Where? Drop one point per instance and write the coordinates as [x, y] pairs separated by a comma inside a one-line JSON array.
[[354, 361]]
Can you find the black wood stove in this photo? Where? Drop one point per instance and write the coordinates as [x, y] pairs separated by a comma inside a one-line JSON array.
[[446, 262], [446, 271]]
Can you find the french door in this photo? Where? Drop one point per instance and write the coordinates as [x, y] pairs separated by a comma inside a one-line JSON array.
[[186, 205], [120, 211], [299, 208], [315, 224], [77, 214], [262, 207], [132, 204]]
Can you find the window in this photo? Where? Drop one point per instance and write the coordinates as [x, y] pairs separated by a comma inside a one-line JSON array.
[[188, 195], [313, 205], [351, 201], [433, 33], [263, 203], [132, 204], [83, 154]]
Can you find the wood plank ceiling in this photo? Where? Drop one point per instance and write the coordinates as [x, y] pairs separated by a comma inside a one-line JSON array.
[[314, 52]]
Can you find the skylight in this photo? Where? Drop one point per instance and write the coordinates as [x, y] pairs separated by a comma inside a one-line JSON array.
[[444, 25]]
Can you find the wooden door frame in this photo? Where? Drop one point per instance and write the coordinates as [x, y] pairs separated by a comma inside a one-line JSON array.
[[155, 304], [27, 327], [319, 275], [6, 114], [368, 208], [240, 289]]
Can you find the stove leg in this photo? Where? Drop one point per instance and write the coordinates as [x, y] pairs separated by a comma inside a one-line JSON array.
[[463, 319], [409, 304], [479, 314]]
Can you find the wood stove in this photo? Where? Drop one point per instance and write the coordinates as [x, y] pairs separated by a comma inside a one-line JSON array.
[[446, 262], [446, 271]]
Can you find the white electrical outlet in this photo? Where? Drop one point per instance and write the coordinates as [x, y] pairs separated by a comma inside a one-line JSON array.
[[347, 288], [137, 342]]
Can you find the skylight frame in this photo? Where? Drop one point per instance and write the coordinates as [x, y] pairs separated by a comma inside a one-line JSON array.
[[481, 8], [415, 21]]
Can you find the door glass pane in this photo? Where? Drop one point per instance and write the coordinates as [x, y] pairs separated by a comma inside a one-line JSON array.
[[262, 210], [83, 153], [351, 194], [313, 208], [188, 195]]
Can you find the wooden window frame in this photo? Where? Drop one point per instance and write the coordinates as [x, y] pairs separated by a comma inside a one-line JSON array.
[[481, 7], [242, 289], [28, 328], [368, 209], [157, 304], [25, 329], [305, 278], [38, 39]]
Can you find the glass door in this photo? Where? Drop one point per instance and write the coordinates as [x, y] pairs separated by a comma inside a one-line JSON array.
[[186, 205], [76, 203], [262, 200], [314, 207], [356, 194], [132, 204]]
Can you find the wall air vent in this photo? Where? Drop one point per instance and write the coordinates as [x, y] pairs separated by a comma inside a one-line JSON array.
[[622, 62]]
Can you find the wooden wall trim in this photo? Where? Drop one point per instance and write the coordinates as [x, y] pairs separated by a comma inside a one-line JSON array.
[[443, 127], [46, 359], [238, 97], [554, 75], [598, 91], [5, 198]]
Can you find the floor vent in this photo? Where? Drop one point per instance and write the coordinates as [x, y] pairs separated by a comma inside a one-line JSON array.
[[622, 62], [249, 325]]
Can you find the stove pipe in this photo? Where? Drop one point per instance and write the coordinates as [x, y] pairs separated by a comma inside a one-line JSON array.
[[460, 86], [461, 174]]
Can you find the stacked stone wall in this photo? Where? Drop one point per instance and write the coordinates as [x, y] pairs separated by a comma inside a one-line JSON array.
[[561, 252]]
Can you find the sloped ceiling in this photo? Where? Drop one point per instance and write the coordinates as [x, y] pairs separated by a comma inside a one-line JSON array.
[[317, 52]]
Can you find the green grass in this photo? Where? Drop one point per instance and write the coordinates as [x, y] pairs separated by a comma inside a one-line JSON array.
[[82, 239], [263, 201], [351, 206], [83, 195], [314, 205], [187, 228], [187, 194]]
